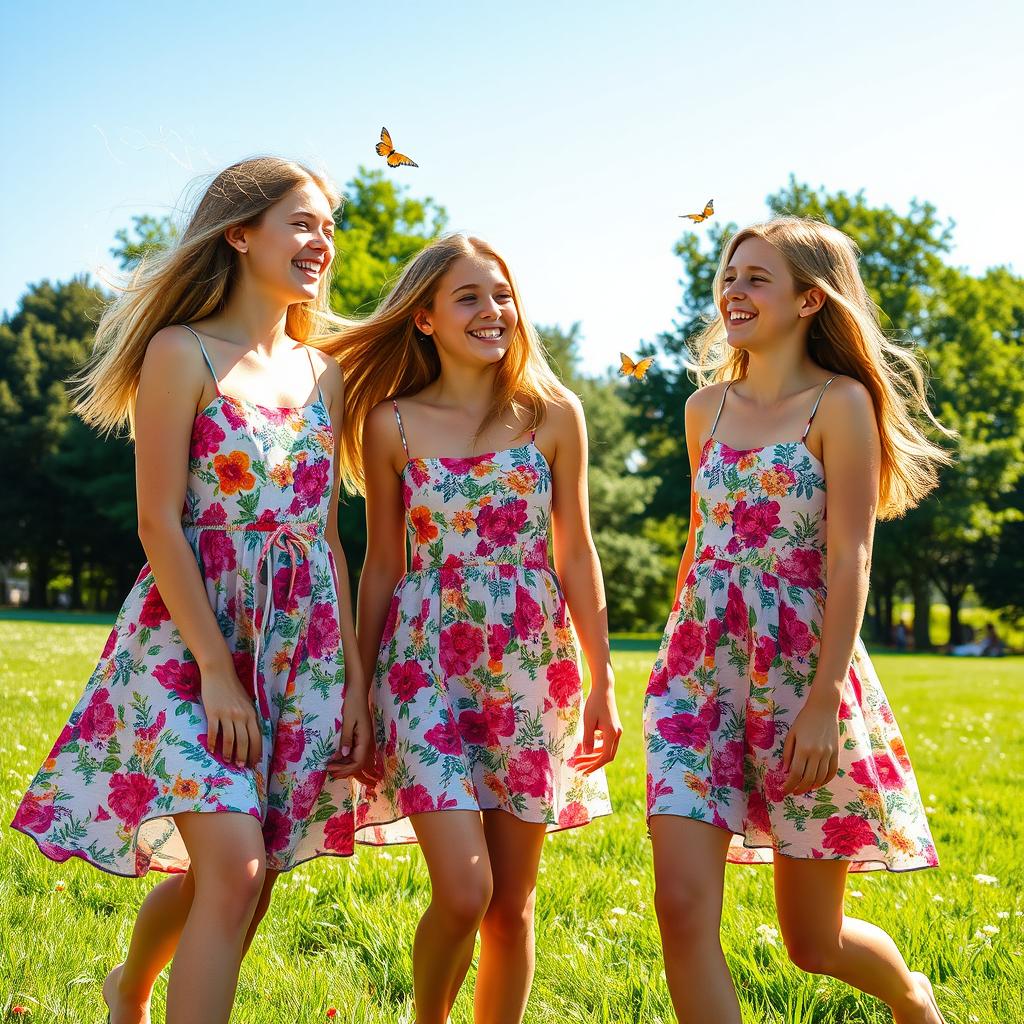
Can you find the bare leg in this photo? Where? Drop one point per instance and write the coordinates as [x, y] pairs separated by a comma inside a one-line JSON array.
[[460, 889], [506, 933], [229, 866], [128, 988], [822, 940], [689, 874]]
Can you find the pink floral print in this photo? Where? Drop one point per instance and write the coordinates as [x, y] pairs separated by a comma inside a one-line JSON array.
[[134, 752], [477, 693], [736, 662]]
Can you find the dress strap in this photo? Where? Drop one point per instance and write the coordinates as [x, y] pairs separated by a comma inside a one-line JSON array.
[[815, 409], [721, 406], [401, 429], [316, 376], [206, 357]]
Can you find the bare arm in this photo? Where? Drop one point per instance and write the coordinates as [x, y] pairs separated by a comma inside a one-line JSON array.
[[579, 569], [356, 732], [170, 393], [697, 417], [852, 457], [385, 561]]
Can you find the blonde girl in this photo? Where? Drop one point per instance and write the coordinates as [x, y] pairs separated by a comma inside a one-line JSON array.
[[769, 739], [464, 443], [231, 678]]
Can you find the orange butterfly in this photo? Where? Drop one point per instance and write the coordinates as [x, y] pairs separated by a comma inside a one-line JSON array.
[[698, 218], [387, 149], [637, 370]]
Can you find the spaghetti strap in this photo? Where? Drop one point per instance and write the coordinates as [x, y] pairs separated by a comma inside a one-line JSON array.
[[721, 406], [401, 429], [316, 376], [817, 402], [206, 357]]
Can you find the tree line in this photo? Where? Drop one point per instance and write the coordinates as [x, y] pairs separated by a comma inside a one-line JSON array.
[[68, 508]]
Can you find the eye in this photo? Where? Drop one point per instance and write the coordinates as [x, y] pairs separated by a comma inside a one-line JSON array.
[[468, 298], [759, 279], [728, 280], [504, 297], [302, 224]]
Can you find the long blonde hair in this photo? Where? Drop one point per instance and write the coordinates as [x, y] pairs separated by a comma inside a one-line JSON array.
[[845, 337], [188, 281], [384, 356]]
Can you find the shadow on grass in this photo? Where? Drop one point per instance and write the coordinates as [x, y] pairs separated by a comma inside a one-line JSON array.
[[44, 615]]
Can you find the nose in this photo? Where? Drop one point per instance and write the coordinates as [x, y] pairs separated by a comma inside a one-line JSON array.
[[732, 290]]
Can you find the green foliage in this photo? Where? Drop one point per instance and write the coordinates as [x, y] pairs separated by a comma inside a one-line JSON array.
[[69, 496], [380, 228], [146, 236]]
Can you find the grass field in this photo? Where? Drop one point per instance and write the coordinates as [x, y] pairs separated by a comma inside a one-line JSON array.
[[339, 932]]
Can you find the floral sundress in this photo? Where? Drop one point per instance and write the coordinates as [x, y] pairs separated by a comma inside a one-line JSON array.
[[134, 751], [477, 694], [735, 666]]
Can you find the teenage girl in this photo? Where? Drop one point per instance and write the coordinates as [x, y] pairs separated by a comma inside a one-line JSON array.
[[231, 678], [769, 739], [465, 443]]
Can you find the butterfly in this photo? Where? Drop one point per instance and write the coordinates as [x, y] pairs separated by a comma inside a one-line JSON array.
[[637, 370], [386, 148], [697, 218]]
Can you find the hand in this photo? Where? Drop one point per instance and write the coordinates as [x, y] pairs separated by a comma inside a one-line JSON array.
[[810, 756], [600, 719], [231, 711], [354, 757]]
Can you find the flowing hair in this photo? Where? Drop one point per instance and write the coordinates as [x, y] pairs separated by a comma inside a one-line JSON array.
[[189, 280], [845, 337], [384, 355]]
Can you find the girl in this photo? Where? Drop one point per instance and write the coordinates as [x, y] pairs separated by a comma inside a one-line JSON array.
[[459, 433], [769, 739], [202, 742]]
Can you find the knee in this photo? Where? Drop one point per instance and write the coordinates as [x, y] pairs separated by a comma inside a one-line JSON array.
[[233, 887], [813, 953], [685, 911], [509, 918], [464, 904]]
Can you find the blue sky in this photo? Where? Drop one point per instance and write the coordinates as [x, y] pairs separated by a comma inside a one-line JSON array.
[[568, 134]]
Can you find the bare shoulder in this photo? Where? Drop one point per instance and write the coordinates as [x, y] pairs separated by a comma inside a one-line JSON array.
[[702, 407], [846, 406], [328, 371], [565, 409], [380, 429], [565, 423], [173, 356]]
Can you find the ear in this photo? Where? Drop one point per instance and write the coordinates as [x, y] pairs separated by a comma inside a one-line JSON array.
[[421, 321], [813, 300], [237, 238]]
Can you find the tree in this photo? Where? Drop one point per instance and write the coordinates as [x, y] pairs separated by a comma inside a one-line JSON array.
[[380, 229], [633, 564], [147, 235], [42, 515]]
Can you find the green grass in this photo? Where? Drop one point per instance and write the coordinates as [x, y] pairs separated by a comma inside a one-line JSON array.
[[339, 932]]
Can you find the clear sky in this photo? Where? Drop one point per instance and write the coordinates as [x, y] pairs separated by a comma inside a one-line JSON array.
[[569, 134]]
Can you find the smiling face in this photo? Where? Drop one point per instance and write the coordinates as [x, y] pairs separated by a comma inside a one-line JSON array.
[[473, 316], [760, 303], [291, 248]]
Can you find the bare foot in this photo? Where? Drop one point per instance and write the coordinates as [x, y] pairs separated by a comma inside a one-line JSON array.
[[123, 1010], [933, 1015]]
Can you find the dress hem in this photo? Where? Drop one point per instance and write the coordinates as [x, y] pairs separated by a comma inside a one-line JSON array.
[[551, 829], [872, 864], [83, 856]]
